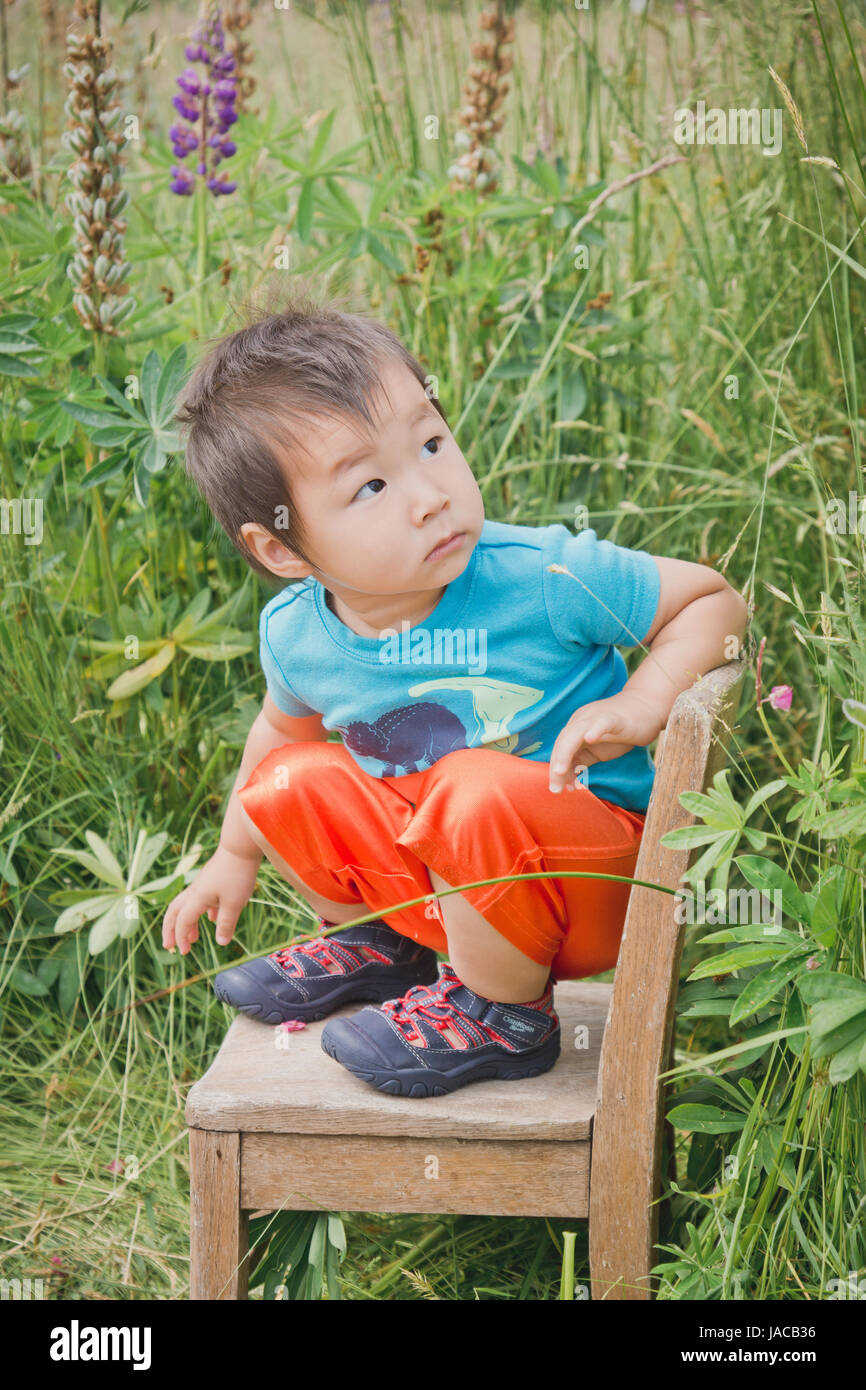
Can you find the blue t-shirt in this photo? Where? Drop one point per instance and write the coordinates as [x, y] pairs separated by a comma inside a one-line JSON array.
[[503, 661]]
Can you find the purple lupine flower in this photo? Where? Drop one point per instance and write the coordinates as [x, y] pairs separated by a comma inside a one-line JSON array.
[[206, 102]]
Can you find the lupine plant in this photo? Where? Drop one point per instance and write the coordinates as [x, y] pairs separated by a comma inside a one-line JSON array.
[[206, 107], [98, 270]]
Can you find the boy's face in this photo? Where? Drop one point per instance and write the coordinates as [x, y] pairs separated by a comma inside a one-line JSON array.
[[373, 508]]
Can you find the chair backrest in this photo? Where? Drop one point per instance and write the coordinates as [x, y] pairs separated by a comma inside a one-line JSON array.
[[637, 1036]]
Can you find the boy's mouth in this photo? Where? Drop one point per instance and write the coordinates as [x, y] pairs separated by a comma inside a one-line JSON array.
[[446, 546]]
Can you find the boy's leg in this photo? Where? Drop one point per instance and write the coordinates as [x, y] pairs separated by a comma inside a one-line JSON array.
[[329, 828], [484, 814], [331, 911], [485, 960]]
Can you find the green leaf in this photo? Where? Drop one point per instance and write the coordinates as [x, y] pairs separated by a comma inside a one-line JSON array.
[[140, 676], [380, 253], [762, 795], [15, 342], [217, 651], [717, 854], [304, 218], [707, 1008], [322, 137], [831, 1015], [767, 876], [848, 1060], [827, 906], [107, 927], [121, 400], [332, 1271], [336, 1232], [170, 382], [94, 864], [106, 468], [795, 1017], [705, 1119], [85, 415], [13, 366], [151, 456], [112, 434], [70, 984], [17, 323], [141, 482], [689, 836], [84, 910], [827, 984], [148, 848], [49, 969], [192, 615], [113, 871], [149, 385], [757, 933], [763, 987], [738, 959], [27, 983]]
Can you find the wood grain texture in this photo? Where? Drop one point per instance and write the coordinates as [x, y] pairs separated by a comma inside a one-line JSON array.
[[219, 1242], [304, 1172], [627, 1132], [254, 1085]]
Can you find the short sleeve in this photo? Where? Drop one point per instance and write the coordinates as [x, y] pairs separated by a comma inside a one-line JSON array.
[[613, 597], [278, 686]]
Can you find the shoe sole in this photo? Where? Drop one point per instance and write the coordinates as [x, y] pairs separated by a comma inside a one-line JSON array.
[[424, 1084], [273, 1010]]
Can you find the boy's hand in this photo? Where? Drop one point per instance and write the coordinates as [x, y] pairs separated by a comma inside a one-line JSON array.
[[599, 731], [222, 888]]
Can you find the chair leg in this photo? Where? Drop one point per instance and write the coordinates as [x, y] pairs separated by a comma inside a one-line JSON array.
[[219, 1238]]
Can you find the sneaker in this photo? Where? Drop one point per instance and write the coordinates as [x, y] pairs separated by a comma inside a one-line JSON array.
[[311, 980], [436, 1039]]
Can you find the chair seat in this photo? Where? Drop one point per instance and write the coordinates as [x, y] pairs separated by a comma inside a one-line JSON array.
[[269, 1081]]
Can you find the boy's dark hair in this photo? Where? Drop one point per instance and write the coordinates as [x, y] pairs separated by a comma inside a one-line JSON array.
[[303, 358]]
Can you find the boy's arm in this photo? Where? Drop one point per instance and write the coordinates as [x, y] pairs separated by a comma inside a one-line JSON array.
[[698, 614], [224, 885], [270, 729]]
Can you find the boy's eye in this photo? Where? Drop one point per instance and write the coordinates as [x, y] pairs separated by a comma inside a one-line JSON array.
[[434, 439], [372, 481]]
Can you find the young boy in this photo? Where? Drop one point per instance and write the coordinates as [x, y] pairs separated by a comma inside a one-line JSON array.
[[471, 680]]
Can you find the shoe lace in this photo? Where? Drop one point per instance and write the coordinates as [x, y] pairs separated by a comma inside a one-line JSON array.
[[423, 999], [315, 948]]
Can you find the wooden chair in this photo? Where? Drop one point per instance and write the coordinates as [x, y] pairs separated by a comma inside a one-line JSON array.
[[284, 1127]]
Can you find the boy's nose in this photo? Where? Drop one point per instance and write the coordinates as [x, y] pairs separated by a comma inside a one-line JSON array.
[[428, 499]]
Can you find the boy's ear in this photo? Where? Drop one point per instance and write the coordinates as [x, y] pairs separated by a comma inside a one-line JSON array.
[[273, 554]]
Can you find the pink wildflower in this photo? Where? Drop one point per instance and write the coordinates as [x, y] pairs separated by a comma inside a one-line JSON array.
[[780, 697], [292, 1025]]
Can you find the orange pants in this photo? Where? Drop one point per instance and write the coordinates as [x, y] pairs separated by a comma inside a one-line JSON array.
[[476, 813]]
